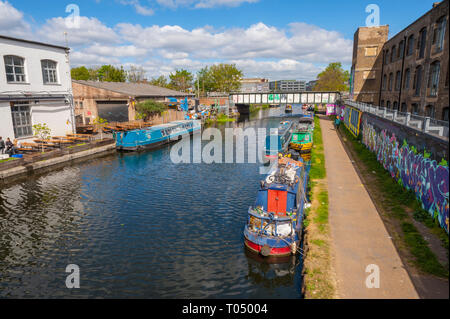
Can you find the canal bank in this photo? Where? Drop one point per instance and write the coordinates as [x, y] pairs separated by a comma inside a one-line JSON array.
[[139, 226], [31, 164]]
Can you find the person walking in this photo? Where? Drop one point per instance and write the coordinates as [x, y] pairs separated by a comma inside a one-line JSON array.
[[10, 149], [2, 145], [337, 122]]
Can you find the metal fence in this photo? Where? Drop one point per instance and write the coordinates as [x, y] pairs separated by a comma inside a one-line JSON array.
[[421, 123]]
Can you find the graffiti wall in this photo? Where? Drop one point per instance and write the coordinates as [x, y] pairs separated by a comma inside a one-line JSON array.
[[411, 165]]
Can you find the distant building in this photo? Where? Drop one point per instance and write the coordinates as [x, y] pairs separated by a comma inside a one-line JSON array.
[[288, 86], [35, 88], [409, 72], [254, 85], [310, 85], [115, 101]]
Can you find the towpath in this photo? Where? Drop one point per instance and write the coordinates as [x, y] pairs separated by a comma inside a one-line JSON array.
[[358, 236]]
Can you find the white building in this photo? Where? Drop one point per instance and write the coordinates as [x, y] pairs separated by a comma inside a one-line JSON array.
[[35, 88]]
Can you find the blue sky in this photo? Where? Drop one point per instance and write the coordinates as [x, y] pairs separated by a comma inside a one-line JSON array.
[[269, 38]]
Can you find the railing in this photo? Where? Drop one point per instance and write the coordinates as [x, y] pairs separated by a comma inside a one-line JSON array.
[[269, 220], [421, 123]]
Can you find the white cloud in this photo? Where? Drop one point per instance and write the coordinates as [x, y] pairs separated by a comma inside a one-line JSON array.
[[12, 22], [140, 9], [90, 31]]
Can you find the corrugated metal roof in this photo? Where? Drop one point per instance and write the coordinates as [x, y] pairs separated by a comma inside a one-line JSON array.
[[134, 89]]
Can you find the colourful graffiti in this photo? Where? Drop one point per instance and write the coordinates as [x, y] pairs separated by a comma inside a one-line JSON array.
[[352, 120], [418, 172]]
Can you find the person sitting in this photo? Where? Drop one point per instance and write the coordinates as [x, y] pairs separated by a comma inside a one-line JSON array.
[[10, 148]]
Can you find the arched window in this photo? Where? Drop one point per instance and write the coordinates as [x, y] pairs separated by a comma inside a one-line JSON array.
[[418, 80], [395, 106], [423, 42], [393, 54], [407, 78], [49, 73], [388, 104], [391, 79], [384, 82], [435, 70], [415, 109], [410, 47], [15, 68], [397, 81], [439, 33]]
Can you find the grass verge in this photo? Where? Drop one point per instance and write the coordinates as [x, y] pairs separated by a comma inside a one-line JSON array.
[[317, 261], [400, 208], [8, 159]]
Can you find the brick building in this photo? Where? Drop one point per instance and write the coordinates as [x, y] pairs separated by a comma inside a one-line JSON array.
[[115, 101], [411, 72]]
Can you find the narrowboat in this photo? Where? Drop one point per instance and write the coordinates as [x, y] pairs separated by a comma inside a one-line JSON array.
[[279, 143], [302, 138], [274, 224], [288, 108], [152, 137]]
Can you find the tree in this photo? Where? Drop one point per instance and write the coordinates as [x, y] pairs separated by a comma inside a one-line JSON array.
[[42, 131], [181, 80], [225, 78], [99, 124], [205, 82], [149, 108], [109, 73], [333, 78], [80, 73], [136, 74], [160, 81]]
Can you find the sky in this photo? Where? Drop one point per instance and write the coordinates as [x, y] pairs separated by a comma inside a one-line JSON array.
[[275, 39]]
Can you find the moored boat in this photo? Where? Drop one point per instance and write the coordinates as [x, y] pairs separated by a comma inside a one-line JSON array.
[[274, 225], [154, 136], [278, 143], [302, 137]]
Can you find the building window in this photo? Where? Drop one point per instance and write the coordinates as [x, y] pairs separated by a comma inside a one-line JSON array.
[[439, 35], [21, 117], [391, 79], [422, 43], [15, 68], [434, 77], [371, 51], [407, 78], [393, 54], [429, 111], [384, 82], [81, 105], [388, 104], [397, 81], [418, 80], [395, 106], [401, 48], [404, 108], [386, 57], [415, 109], [410, 47], [382, 103], [49, 71], [445, 114]]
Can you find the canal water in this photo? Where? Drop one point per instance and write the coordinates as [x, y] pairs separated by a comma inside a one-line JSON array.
[[139, 226]]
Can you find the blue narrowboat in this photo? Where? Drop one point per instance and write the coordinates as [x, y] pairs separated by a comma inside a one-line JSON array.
[[154, 136], [278, 143], [274, 225]]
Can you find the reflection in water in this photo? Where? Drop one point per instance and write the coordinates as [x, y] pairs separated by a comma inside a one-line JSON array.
[[138, 226]]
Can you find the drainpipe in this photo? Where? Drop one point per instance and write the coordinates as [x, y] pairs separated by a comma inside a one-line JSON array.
[[401, 74]]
